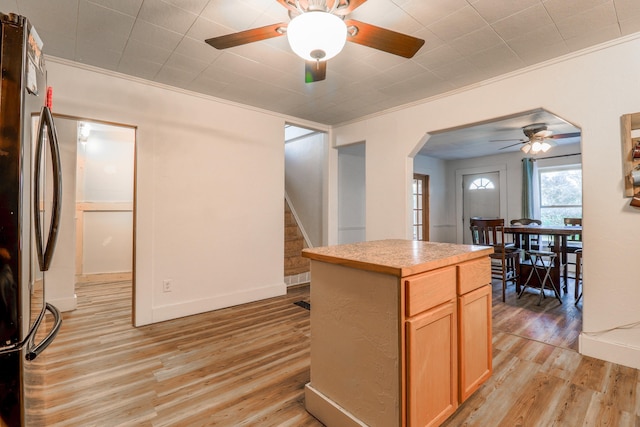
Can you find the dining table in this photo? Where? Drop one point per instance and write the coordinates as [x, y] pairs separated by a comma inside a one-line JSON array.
[[558, 245]]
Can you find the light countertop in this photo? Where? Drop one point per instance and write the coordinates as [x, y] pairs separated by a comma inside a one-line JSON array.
[[397, 257]]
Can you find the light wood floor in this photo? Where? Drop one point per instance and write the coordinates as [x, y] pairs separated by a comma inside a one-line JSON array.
[[247, 366], [539, 379], [241, 366]]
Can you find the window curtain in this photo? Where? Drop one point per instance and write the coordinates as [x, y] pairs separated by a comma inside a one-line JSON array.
[[528, 166]]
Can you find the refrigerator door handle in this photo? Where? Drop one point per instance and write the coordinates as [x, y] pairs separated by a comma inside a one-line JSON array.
[[34, 351], [45, 254]]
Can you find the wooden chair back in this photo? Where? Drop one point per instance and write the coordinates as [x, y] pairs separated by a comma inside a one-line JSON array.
[[487, 232], [525, 221], [573, 221], [528, 241], [570, 222], [505, 263]]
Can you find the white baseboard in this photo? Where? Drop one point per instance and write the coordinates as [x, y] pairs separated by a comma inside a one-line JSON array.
[[64, 304], [103, 277], [613, 352], [298, 279], [188, 308]]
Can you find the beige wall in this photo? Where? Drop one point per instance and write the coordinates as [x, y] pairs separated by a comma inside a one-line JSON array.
[[210, 188], [592, 89]]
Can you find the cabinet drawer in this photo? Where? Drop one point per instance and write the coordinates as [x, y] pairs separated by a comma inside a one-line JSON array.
[[473, 274], [427, 290]]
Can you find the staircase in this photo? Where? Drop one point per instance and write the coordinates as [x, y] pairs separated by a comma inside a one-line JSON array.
[[296, 268]]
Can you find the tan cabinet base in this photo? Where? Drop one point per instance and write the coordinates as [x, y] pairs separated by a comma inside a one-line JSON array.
[[327, 411], [384, 336]]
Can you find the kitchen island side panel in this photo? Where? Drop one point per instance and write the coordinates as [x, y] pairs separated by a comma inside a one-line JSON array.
[[355, 345]]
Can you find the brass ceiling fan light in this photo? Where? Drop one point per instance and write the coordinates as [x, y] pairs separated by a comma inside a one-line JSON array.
[[318, 31], [536, 130], [539, 139], [537, 133]]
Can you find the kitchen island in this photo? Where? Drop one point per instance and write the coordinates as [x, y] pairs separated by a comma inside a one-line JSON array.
[[400, 331]]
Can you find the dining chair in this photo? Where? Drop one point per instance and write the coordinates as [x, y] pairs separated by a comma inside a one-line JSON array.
[[529, 241], [505, 261], [575, 240], [578, 276], [574, 243]]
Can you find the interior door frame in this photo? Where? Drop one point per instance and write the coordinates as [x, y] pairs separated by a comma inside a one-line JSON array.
[[502, 172], [135, 196], [425, 203]]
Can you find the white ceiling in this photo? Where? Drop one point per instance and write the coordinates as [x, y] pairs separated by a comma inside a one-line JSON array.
[[467, 41], [500, 135]]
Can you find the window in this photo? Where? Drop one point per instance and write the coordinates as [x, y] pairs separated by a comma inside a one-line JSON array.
[[560, 194], [420, 207], [482, 184]]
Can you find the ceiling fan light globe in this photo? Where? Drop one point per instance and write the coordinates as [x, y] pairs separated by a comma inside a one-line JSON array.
[[545, 147], [315, 33], [536, 146], [526, 148]]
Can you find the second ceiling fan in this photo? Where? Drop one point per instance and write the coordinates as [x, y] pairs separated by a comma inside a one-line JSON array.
[[537, 135], [318, 31]]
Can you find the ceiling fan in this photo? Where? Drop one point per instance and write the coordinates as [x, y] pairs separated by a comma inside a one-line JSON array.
[[539, 138], [318, 31]]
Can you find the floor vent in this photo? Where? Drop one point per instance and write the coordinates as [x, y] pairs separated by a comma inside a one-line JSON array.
[[303, 304]]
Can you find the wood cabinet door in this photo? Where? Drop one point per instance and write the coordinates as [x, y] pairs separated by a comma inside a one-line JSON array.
[[432, 366], [474, 335]]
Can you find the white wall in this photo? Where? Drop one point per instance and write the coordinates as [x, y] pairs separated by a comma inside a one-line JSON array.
[[108, 242], [304, 180], [351, 194], [210, 185], [592, 90], [108, 160]]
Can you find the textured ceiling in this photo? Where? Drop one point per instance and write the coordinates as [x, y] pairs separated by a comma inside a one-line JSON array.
[[467, 41], [498, 136]]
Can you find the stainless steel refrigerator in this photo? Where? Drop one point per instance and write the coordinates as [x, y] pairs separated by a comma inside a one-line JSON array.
[[30, 190]]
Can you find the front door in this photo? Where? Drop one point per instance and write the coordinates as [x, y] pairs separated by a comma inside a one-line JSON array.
[[480, 197]]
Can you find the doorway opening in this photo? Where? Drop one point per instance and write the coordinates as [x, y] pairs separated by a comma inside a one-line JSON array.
[[463, 162], [104, 198], [305, 153]]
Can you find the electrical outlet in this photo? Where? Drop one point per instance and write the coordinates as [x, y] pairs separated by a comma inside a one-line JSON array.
[[166, 285]]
